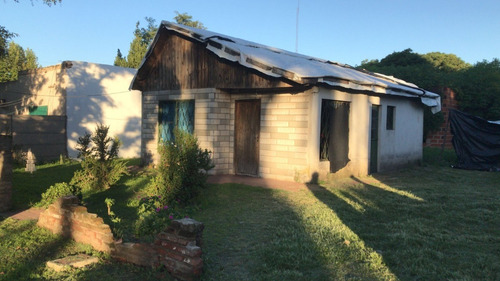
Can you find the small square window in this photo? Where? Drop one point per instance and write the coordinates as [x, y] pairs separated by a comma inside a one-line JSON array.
[[391, 111]]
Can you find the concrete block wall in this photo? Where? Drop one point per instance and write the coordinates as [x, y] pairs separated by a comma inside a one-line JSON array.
[[213, 126], [284, 136]]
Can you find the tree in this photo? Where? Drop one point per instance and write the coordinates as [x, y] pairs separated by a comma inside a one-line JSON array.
[[143, 36], [139, 45], [16, 60], [100, 166], [120, 60], [478, 89], [432, 71], [5, 35], [186, 19], [446, 62]]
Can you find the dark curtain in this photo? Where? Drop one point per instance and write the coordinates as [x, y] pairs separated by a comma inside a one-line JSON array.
[[476, 141]]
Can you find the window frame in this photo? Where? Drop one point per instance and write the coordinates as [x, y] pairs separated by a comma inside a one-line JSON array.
[[175, 105], [390, 121]]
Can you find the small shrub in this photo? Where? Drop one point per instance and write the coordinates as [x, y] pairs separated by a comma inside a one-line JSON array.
[[182, 170], [100, 168], [57, 191], [155, 217]]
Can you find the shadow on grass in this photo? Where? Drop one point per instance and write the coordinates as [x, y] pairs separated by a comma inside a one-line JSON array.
[[422, 231], [25, 257], [122, 192], [252, 234], [27, 188]]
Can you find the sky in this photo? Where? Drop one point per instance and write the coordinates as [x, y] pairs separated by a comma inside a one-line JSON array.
[[347, 31]]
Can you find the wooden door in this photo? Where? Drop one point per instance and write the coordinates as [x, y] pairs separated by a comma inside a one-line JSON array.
[[246, 137]]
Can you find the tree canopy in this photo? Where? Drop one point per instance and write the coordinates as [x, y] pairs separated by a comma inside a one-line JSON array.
[[186, 19], [432, 71], [477, 86], [15, 60], [143, 36], [478, 89], [5, 36]]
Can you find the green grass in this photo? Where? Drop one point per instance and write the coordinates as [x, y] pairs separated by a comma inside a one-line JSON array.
[[28, 188], [427, 223]]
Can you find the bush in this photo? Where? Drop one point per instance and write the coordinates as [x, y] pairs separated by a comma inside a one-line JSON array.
[[100, 168], [155, 217], [182, 170], [57, 191]]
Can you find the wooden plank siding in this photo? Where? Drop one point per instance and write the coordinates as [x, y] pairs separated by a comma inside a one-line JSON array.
[[177, 63]]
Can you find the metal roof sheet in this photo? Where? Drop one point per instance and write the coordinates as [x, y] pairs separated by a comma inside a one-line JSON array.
[[299, 68]]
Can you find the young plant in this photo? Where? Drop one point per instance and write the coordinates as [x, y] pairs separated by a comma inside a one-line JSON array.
[[117, 225], [154, 217], [57, 191], [182, 170], [100, 168]]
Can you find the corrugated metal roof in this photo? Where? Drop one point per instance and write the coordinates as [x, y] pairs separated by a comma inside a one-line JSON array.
[[299, 68]]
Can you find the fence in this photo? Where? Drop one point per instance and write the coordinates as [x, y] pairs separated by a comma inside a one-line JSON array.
[[44, 135], [5, 172]]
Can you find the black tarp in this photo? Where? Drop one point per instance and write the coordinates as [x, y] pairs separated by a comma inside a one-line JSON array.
[[476, 142]]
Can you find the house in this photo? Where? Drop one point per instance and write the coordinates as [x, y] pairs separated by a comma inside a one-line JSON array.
[[53, 106], [271, 113]]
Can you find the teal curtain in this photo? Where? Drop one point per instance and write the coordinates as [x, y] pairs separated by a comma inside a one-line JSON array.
[[175, 114], [185, 116]]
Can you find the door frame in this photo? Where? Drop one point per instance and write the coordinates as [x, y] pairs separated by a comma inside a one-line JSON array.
[[256, 137]]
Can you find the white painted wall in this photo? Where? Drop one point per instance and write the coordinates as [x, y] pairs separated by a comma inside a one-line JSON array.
[[403, 145], [359, 129], [396, 148], [98, 93]]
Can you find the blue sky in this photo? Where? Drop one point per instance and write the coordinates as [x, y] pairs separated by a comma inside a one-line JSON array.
[[346, 31]]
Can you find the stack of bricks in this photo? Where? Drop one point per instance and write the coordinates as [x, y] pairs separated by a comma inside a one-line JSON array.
[[443, 135], [69, 219], [178, 248], [5, 173]]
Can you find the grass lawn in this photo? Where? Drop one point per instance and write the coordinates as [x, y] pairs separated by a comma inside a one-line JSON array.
[[427, 223]]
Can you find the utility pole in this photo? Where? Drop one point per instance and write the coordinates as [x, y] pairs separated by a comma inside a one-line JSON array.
[[297, 28]]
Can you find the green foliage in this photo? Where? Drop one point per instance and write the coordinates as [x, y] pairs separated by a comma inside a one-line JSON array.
[[120, 60], [186, 19], [15, 60], [57, 191], [143, 36], [117, 228], [432, 71], [478, 89], [182, 169], [100, 168], [154, 216], [446, 62], [5, 35]]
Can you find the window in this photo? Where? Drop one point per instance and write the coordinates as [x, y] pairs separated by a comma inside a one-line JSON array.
[[391, 110], [39, 110], [175, 114]]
